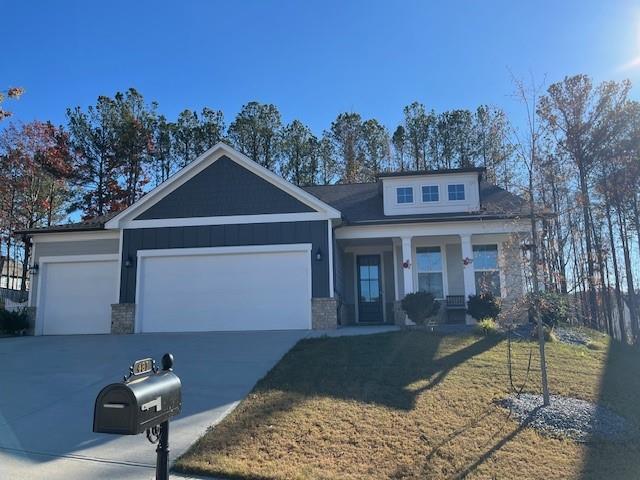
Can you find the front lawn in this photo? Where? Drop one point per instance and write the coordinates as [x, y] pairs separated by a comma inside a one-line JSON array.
[[415, 405]]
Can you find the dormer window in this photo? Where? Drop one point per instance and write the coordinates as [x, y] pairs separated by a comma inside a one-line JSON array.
[[404, 195], [430, 193], [456, 191]]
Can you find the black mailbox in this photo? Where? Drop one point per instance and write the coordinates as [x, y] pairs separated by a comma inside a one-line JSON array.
[[141, 402]]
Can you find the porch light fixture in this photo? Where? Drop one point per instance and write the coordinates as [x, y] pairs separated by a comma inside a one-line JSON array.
[[34, 269], [318, 255], [128, 263]]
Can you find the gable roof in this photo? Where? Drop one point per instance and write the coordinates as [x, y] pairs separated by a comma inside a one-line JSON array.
[[216, 152], [362, 203]]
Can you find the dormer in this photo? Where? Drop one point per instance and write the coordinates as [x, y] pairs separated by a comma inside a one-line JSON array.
[[431, 191]]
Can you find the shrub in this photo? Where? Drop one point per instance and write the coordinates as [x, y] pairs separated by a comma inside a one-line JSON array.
[[13, 322], [549, 334], [483, 305], [419, 306], [553, 308], [487, 326]]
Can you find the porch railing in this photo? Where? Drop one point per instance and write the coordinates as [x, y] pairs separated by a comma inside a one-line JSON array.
[[455, 302]]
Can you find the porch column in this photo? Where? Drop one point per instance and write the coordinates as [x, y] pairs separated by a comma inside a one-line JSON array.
[[407, 274], [468, 272]]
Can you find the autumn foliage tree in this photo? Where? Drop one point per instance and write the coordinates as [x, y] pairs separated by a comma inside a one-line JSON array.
[[35, 170]]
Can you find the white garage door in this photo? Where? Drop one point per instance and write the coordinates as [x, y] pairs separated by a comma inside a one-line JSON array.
[[224, 288], [76, 296]]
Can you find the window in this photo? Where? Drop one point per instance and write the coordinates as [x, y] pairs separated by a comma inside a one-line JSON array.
[[429, 261], [430, 193], [456, 191], [404, 194], [485, 264]]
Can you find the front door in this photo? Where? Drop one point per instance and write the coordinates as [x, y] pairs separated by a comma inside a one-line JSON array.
[[369, 289]]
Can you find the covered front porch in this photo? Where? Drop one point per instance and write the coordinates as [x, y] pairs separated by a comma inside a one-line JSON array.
[[374, 274]]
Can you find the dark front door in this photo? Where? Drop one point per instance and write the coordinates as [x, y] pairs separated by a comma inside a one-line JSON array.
[[369, 289]]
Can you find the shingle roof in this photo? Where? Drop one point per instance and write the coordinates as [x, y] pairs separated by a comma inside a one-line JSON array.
[[95, 223], [362, 203]]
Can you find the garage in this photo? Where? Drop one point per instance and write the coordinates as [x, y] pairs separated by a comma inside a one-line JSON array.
[[75, 294], [264, 287]]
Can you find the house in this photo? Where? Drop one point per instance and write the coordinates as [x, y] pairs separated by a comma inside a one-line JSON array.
[[11, 275], [225, 244]]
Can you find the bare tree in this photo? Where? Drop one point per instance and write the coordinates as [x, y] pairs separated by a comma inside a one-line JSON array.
[[526, 147]]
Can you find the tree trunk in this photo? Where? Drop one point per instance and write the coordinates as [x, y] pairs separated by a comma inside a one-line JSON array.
[[25, 264], [614, 258], [586, 215], [629, 274]]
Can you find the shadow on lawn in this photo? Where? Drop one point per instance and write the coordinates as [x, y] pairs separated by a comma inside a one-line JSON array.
[[620, 391], [376, 369], [391, 370]]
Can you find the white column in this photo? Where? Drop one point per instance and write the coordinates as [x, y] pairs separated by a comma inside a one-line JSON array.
[[407, 273], [395, 271], [468, 271]]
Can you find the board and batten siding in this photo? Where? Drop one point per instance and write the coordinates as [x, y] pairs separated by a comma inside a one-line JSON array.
[[224, 188], [314, 232]]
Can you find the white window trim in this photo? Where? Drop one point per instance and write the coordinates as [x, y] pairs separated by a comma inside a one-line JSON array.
[[413, 196], [499, 267], [436, 202], [443, 254], [464, 187]]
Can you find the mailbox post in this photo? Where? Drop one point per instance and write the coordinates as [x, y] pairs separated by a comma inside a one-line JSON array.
[[162, 451], [143, 402]]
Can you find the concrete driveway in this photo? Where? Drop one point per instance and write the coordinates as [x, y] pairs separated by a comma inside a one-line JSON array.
[[48, 386]]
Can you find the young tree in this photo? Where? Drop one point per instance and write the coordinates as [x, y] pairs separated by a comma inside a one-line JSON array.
[[527, 151]]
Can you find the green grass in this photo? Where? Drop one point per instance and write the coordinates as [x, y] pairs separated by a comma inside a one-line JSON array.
[[412, 405]]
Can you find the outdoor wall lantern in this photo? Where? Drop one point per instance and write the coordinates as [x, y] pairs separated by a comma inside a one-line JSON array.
[[318, 255], [34, 269], [128, 263]]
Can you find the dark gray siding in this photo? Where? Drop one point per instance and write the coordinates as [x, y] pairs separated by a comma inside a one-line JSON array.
[[224, 236], [224, 188]]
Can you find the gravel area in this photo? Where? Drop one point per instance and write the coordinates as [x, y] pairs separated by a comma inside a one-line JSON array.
[[571, 336], [579, 420]]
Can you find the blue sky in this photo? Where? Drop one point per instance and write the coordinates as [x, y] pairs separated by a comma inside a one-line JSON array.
[[313, 59]]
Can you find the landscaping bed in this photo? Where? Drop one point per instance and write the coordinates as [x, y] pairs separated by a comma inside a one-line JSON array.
[[416, 405]]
